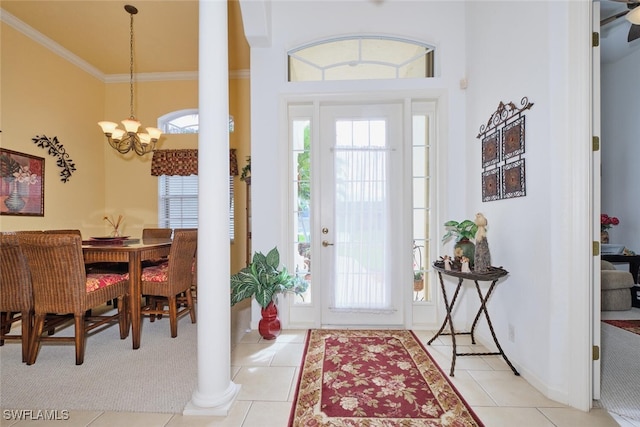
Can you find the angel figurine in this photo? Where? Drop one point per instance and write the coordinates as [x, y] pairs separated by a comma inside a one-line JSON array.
[[447, 262], [465, 265]]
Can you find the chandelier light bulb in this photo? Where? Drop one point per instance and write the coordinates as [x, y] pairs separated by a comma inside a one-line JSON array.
[[131, 125], [117, 135]]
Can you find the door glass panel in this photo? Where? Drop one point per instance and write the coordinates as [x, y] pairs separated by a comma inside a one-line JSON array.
[[361, 216], [422, 285], [301, 186]]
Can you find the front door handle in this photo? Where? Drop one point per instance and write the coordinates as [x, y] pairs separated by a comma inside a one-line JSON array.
[[325, 243]]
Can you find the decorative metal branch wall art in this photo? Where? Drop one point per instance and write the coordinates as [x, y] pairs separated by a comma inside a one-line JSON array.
[[56, 149], [503, 147]]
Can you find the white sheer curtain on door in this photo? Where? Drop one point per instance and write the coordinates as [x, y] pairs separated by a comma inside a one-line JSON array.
[[362, 205]]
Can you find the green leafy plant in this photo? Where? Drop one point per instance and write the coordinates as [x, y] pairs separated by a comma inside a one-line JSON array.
[[461, 230], [264, 280], [8, 166], [246, 170]]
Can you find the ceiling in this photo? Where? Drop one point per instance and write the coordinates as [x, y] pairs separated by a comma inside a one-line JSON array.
[[166, 32], [97, 31]]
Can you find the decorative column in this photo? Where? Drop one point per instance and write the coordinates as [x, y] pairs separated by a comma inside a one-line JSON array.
[[215, 392]]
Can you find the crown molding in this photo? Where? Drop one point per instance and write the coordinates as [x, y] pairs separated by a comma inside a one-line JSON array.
[[56, 48], [152, 77], [160, 77], [45, 41]]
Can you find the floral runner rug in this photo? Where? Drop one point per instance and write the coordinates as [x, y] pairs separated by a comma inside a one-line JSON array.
[[627, 325], [374, 378]]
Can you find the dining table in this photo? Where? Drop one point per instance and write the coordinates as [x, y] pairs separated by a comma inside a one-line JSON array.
[[133, 252]]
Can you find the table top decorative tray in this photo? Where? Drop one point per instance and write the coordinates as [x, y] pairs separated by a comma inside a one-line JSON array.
[[491, 274], [105, 241]]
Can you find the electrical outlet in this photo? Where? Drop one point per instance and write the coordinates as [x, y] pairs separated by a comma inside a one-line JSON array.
[[512, 333]]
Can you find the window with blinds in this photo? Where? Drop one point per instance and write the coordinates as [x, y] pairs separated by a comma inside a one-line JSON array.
[[178, 202]]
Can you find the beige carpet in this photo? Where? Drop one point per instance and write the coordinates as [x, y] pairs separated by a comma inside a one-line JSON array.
[[620, 367], [159, 377]]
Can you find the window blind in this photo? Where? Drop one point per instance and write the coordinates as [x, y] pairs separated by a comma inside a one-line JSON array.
[[178, 202]]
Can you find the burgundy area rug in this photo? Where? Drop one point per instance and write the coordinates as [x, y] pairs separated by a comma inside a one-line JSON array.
[[627, 325], [374, 378]]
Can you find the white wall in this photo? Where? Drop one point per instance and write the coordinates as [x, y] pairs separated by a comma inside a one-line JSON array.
[[296, 23], [517, 49], [621, 148], [506, 50]]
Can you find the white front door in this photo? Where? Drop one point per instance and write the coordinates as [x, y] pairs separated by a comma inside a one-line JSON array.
[[360, 215]]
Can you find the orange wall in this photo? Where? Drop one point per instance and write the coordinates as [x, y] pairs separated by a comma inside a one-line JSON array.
[[42, 93]]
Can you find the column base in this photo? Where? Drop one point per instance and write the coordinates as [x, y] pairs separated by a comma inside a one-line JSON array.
[[200, 405]]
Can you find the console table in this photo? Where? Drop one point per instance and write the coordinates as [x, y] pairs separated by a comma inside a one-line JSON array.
[[632, 260], [493, 275]]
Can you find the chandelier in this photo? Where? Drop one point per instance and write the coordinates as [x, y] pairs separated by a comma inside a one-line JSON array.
[[130, 139]]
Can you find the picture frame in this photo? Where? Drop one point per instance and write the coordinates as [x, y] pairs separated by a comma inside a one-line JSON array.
[[513, 179], [491, 185], [21, 184], [491, 149], [513, 138]]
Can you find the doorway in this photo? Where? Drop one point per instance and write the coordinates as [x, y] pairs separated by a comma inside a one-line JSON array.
[[360, 209]]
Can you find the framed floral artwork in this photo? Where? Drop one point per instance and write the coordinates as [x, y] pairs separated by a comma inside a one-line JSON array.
[[21, 184]]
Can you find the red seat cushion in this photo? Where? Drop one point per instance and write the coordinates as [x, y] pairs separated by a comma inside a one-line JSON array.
[[156, 273], [98, 281]]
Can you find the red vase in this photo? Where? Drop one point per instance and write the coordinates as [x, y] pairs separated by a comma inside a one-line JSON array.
[[269, 325]]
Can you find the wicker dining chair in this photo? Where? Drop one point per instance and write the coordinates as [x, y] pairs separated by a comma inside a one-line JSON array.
[[150, 234], [164, 284], [156, 233], [16, 294], [63, 231], [16, 300], [61, 285]]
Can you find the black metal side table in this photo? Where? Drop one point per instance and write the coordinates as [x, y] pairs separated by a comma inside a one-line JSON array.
[[493, 275]]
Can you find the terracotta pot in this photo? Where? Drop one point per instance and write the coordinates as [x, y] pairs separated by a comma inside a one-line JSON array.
[[269, 325]]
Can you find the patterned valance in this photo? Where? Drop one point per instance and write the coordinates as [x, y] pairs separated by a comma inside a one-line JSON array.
[[184, 162]]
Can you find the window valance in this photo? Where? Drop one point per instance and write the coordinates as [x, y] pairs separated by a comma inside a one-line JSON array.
[[184, 162]]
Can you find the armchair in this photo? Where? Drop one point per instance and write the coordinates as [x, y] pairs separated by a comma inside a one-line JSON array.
[[615, 286]]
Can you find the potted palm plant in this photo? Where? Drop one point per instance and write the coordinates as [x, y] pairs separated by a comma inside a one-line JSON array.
[[264, 279]]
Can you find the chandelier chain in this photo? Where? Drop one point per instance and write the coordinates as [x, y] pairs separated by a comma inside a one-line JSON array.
[[130, 139], [131, 66]]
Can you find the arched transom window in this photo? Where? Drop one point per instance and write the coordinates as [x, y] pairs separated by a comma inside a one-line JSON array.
[[361, 57]]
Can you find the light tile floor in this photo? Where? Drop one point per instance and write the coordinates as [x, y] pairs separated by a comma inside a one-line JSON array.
[[268, 372]]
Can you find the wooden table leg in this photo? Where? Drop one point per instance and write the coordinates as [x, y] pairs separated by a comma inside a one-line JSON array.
[[135, 297]]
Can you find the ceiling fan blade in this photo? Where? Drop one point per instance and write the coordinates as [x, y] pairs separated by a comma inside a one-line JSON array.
[[613, 18], [634, 33]]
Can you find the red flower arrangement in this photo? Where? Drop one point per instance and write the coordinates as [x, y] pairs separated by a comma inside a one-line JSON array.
[[606, 222]]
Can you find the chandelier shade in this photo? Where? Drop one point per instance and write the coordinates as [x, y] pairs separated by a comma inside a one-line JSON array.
[[130, 139]]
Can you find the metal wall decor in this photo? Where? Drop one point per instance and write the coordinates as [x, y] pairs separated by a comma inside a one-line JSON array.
[[503, 147], [54, 148]]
